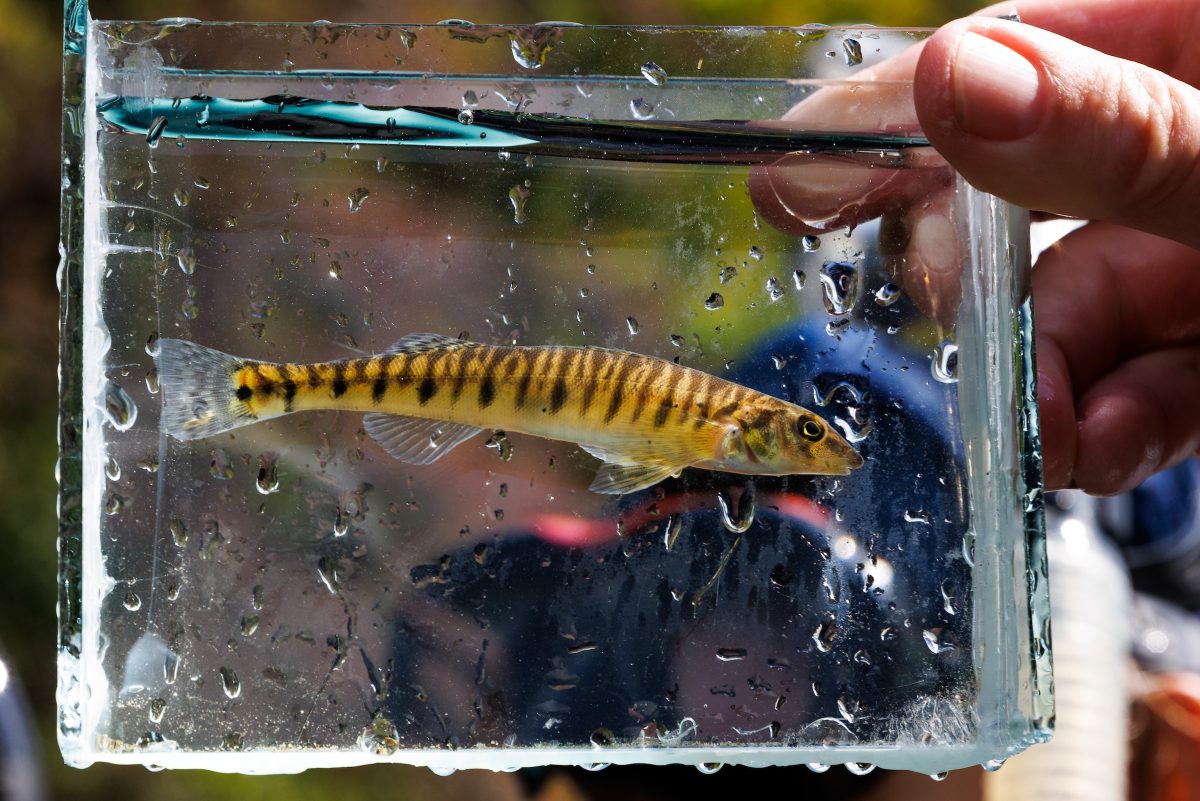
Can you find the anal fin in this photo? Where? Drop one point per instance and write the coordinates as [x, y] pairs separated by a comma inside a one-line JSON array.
[[416, 440], [619, 479]]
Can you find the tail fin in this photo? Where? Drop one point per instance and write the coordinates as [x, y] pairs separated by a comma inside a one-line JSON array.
[[199, 395]]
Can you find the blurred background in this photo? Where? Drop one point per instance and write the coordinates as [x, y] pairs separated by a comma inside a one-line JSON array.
[[29, 151]]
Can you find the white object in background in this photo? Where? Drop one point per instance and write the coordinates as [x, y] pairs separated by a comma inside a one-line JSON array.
[[1090, 603]]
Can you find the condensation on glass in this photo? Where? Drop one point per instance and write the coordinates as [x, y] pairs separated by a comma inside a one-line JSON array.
[[286, 595]]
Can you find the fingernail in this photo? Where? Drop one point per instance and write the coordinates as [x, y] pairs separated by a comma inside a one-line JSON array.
[[995, 90]]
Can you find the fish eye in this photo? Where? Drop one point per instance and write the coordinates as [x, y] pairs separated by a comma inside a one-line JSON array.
[[811, 430]]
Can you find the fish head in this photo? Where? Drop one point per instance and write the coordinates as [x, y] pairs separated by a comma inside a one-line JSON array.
[[786, 441]]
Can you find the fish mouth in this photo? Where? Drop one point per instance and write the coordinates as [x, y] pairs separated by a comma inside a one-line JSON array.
[[843, 457]]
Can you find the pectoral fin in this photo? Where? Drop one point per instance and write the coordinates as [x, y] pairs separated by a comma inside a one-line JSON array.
[[416, 440], [619, 479]]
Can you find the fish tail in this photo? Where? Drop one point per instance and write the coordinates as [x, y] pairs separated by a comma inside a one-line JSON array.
[[200, 390]]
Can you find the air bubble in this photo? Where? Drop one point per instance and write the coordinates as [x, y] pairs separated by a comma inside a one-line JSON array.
[[860, 768], [709, 768], [466, 116], [810, 243]]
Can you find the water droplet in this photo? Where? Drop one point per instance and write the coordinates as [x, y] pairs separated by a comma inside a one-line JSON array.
[[157, 707], [182, 198], [179, 532], [439, 770], [731, 654], [327, 572], [939, 777], [756, 253], [595, 766], [221, 466], [357, 197], [466, 116], [171, 662], [641, 109], [132, 602], [916, 516], [944, 366], [470, 99], [267, 481], [654, 73], [714, 301], [249, 625], [230, 683], [727, 274], [709, 768], [853, 51], [968, 547], [189, 308], [633, 326], [112, 468], [816, 767], [774, 289], [341, 523], [823, 636], [518, 195], [677, 340], [780, 362], [993, 765], [948, 600], [380, 738], [887, 633], [887, 294], [531, 46], [500, 444], [740, 519], [602, 738], [937, 641], [156, 130], [119, 408], [671, 531], [835, 327], [847, 708], [839, 282], [152, 385], [810, 243], [860, 768]]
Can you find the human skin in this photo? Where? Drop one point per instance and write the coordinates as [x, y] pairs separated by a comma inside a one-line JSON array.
[[1087, 108]]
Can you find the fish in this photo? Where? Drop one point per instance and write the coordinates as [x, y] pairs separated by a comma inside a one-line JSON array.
[[645, 418]]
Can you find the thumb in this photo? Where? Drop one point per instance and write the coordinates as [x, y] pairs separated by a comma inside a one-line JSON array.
[[1055, 126]]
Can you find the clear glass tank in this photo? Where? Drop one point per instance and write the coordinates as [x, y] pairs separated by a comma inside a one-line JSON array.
[[286, 595]]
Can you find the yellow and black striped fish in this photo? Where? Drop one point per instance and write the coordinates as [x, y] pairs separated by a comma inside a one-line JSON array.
[[646, 418]]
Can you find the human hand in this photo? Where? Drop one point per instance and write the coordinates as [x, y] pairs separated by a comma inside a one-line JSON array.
[[1087, 110]]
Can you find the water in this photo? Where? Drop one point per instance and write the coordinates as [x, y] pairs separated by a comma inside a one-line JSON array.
[[489, 599]]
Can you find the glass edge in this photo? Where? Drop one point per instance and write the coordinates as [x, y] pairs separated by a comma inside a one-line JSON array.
[[181, 22], [69, 467]]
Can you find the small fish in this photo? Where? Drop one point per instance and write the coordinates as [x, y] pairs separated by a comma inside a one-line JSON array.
[[645, 418]]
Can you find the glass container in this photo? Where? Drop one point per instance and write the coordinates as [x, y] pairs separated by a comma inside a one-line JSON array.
[[738, 201]]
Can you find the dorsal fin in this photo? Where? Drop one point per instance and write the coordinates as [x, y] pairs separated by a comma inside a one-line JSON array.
[[420, 343]]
